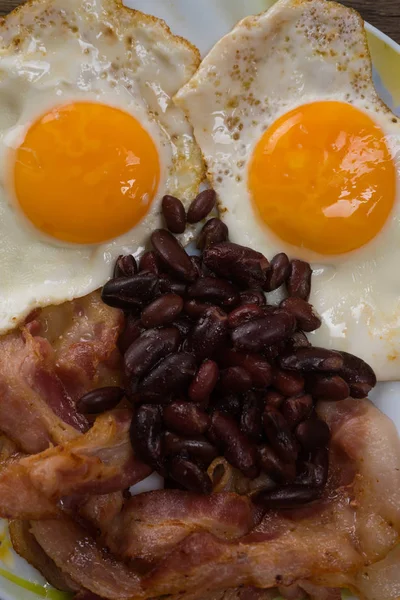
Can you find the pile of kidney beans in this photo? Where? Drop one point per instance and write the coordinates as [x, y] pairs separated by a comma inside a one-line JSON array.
[[212, 369]]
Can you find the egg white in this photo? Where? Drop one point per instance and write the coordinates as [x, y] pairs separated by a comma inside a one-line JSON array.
[[301, 51], [54, 53]]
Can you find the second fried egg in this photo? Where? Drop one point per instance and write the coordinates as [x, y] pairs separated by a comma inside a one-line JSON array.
[[305, 159]]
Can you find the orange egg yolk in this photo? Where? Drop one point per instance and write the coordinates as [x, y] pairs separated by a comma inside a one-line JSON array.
[[86, 173], [322, 177]]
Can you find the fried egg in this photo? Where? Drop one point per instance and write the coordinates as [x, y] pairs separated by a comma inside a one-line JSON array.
[[305, 158], [90, 141]]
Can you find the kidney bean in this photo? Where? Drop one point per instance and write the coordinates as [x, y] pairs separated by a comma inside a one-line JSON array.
[[209, 334], [230, 404], [183, 325], [313, 434], [213, 232], [100, 400], [297, 340], [273, 398], [216, 291], [204, 382], [190, 475], [287, 382], [169, 285], [289, 496], [145, 434], [279, 272], [279, 434], [272, 352], [201, 206], [296, 409], [327, 387], [198, 448], [320, 464], [242, 265], [243, 314], [256, 335], [130, 292], [235, 380], [149, 261], [198, 265], [148, 349], [162, 311], [275, 467], [196, 309], [238, 451], [299, 281], [171, 376], [312, 359], [173, 255], [125, 266], [253, 297], [258, 368], [174, 214], [358, 374], [306, 318], [186, 418], [251, 417], [132, 330]]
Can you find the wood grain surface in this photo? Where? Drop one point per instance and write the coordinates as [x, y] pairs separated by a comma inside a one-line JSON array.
[[384, 14]]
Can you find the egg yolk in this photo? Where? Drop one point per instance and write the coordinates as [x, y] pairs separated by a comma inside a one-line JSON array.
[[86, 173], [322, 177]]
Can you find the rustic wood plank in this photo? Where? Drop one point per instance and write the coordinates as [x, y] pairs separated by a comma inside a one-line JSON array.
[[384, 14]]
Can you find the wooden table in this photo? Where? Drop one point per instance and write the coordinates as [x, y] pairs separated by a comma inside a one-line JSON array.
[[384, 14]]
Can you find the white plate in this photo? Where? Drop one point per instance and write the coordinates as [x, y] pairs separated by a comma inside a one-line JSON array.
[[203, 22]]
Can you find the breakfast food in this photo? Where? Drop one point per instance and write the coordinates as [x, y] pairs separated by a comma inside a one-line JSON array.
[[303, 156], [88, 127]]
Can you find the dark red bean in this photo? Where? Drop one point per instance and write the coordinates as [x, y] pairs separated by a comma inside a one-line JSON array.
[[213, 232], [186, 418], [279, 272], [183, 324], [242, 265], [312, 359], [204, 382], [230, 405], [256, 335], [169, 285], [297, 340], [315, 471], [162, 311], [253, 297], [287, 382], [235, 380], [251, 417], [299, 281], [190, 475], [173, 255], [196, 309], [145, 434], [198, 448], [132, 330], [273, 398], [272, 352], [174, 214], [100, 400], [327, 387], [130, 292], [289, 496], [216, 291], [259, 369], [297, 409], [243, 314], [171, 376], [125, 266], [198, 265], [148, 349], [313, 434], [275, 467], [306, 317], [279, 434], [209, 334], [201, 206], [238, 451], [358, 374], [149, 262]]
